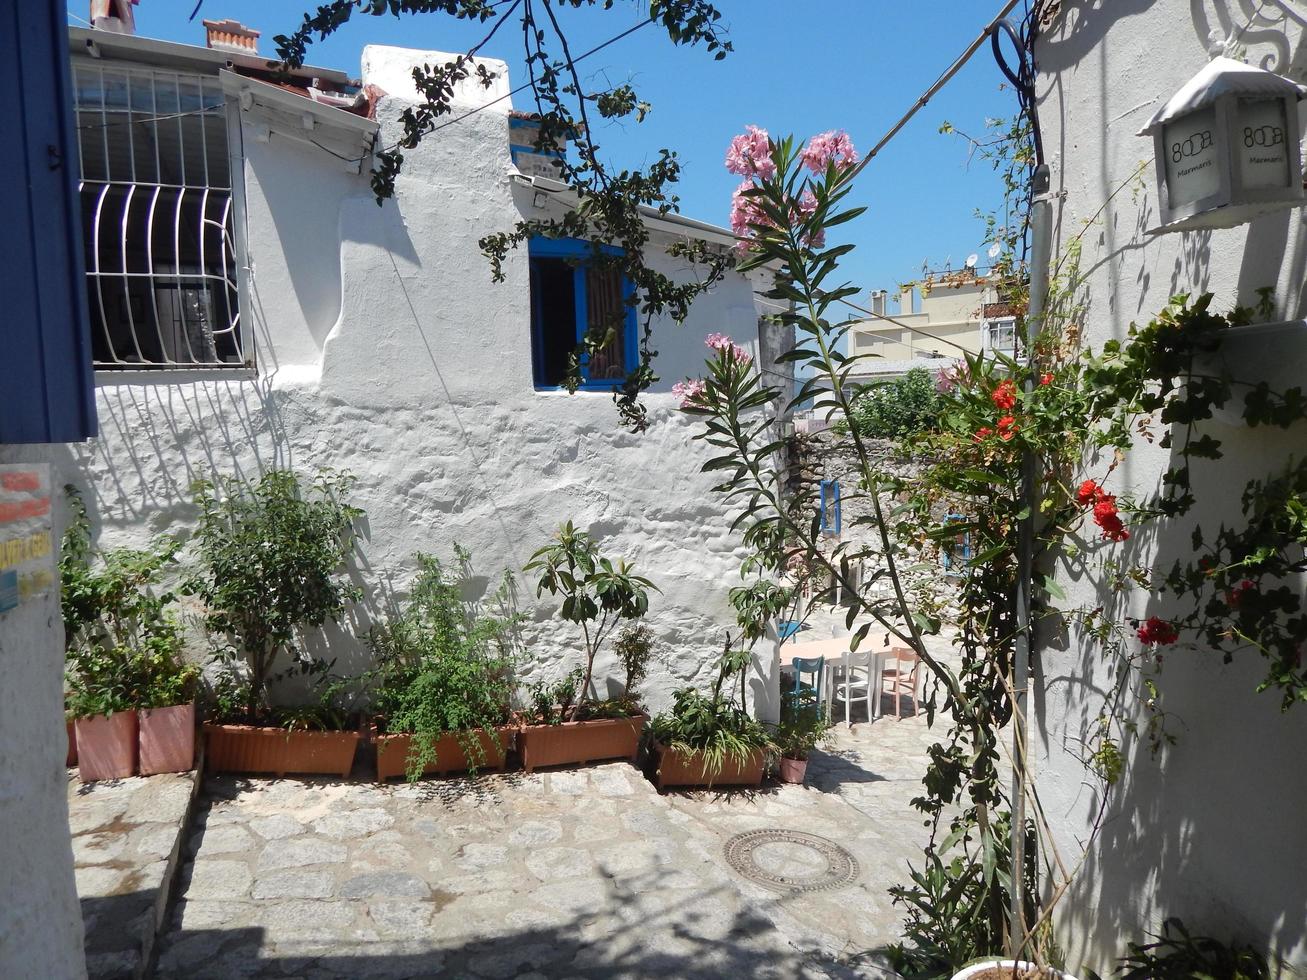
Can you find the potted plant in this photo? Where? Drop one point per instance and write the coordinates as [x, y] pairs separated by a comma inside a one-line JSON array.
[[445, 671], [166, 714], [566, 722], [117, 632], [710, 739], [1000, 969], [271, 558], [804, 724]]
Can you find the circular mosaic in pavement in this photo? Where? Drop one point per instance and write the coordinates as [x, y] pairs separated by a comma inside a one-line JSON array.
[[791, 860]]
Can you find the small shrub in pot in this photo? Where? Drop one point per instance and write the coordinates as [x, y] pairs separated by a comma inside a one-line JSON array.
[[444, 673], [271, 563], [567, 722], [804, 724], [709, 739]]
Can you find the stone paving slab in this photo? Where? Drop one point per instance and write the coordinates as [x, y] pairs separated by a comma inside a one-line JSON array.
[[568, 873], [126, 836]]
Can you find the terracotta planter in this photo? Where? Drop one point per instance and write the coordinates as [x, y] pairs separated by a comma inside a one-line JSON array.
[[167, 739], [677, 768], [275, 751], [580, 741], [792, 770], [106, 746], [392, 754], [984, 971], [71, 758]]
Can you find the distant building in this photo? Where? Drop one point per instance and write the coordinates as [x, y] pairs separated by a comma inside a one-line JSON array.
[[958, 312]]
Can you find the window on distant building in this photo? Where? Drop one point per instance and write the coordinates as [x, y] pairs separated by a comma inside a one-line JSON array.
[[1001, 335], [157, 219], [570, 294]]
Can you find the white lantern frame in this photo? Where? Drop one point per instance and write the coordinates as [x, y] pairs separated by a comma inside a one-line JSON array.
[[1223, 89]]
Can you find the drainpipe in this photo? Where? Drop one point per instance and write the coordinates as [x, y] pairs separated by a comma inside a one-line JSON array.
[[1041, 239]]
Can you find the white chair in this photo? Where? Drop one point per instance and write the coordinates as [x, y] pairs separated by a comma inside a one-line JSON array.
[[855, 683]]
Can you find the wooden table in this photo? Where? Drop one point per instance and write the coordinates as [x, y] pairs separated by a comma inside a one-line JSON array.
[[836, 651]]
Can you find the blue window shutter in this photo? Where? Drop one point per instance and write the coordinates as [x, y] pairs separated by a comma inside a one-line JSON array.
[[46, 382], [830, 506]]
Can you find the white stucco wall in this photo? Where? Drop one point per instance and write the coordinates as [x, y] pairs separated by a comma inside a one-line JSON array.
[[1211, 830], [385, 349], [40, 919]]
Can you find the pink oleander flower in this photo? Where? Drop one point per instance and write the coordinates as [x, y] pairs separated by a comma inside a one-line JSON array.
[[749, 154], [746, 216], [830, 147], [689, 392], [721, 342]]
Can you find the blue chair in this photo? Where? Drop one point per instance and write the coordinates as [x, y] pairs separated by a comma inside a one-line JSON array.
[[787, 628], [814, 667]]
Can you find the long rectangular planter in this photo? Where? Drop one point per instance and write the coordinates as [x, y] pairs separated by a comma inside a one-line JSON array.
[[275, 751], [167, 739], [677, 768], [580, 741], [392, 754], [106, 746]]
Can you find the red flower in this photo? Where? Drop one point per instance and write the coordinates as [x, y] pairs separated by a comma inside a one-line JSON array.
[[1113, 529], [983, 433], [1104, 506], [1105, 512], [1005, 396], [1046, 379], [1157, 632], [1007, 428], [1235, 596]]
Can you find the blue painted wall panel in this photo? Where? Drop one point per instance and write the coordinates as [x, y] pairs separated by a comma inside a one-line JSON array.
[[46, 381]]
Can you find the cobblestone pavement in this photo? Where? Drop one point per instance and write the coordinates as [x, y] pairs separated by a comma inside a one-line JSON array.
[[124, 833], [569, 873]]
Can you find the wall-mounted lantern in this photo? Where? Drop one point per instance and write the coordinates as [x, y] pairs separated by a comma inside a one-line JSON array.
[[1226, 147]]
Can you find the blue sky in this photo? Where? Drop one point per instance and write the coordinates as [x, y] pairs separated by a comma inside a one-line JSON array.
[[800, 66]]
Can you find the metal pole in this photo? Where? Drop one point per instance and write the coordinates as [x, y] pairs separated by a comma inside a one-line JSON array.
[[1041, 239]]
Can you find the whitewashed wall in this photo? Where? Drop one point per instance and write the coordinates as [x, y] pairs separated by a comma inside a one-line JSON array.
[[1212, 829], [386, 350], [41, 922]]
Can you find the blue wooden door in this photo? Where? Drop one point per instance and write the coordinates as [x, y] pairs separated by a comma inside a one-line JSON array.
[[46, 380]]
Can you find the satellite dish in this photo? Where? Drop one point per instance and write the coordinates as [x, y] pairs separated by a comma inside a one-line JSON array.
[[972, 259]]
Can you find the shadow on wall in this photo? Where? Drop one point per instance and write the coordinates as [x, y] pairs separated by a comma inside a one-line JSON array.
[[1079, 27], [1210, 829]]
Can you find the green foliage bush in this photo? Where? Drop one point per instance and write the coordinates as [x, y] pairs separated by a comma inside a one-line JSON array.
[[271, 561], [714, 725], [445, 663], [897, 409], [123, 644], [1176, 955], [804, 724]]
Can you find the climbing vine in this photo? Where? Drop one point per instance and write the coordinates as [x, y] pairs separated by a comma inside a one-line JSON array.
[[1073, 415]]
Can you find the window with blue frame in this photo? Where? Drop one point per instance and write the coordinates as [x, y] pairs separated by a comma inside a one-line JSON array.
[[572, 294]]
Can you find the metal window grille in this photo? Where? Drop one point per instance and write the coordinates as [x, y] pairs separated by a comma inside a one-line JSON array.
[[158, 220]]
